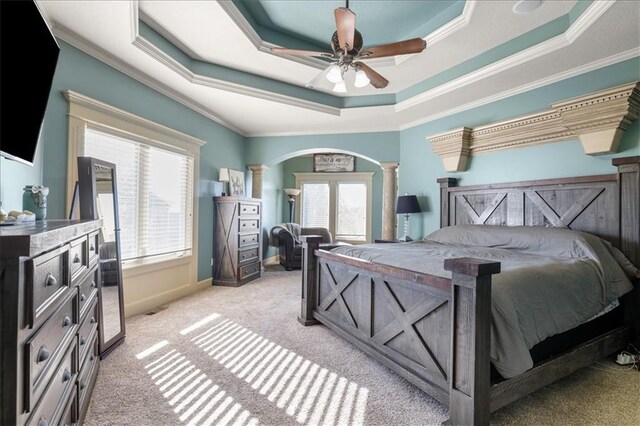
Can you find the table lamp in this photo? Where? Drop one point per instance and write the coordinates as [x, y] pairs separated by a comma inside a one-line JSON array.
[[407, 204], [223, 176]]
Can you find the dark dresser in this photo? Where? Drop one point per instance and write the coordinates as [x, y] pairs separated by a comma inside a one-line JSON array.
[[237, 243], [49, 321]]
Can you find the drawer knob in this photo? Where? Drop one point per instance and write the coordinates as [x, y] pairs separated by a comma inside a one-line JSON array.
[[93, 284], [92, 320], [50, 280], [66, 376], [92, 357], [66, 321], [43, 422], [43, 354], [76, 258], [83, 340], [83, 297], [92, 248], [83, 385]]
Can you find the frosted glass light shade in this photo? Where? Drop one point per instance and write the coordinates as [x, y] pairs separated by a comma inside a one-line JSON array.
[[526, 6], [361, 79], [340, 87], [335, 74]]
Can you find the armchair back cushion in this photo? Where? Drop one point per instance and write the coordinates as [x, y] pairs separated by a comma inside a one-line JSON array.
[[286, 237]]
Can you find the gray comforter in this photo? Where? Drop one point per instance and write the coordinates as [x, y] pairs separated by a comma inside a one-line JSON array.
[[552, 280]]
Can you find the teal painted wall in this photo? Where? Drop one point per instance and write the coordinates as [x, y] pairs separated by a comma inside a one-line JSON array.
[[14, 176], [272, 202], [420, 167], [305, 165], [82, 73]]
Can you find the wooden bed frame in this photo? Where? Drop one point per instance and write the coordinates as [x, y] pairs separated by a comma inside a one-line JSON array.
[[435, 332]]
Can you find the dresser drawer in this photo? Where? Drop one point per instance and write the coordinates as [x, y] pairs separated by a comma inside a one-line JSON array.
[[87, 375], [93, 248], [248, 255], [246, 225], [54, 401], [246, 271], [44, 348], [249, 209], [248, 239], [77, 259], [88, 290], [88, 327], [70, 414], [46, 284]]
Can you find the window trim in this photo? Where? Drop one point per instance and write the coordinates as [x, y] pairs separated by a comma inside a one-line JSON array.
[[333, 179], [86, 112]]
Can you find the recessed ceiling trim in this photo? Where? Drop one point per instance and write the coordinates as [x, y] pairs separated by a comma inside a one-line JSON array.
[[263, 46], [586, 19], [158, 54], [94, 51]]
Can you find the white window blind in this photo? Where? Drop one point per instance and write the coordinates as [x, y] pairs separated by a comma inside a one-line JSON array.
[[154, 194], [351, 214], [315, 205]]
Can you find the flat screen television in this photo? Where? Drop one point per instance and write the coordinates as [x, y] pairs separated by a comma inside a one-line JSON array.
[[26, 43]]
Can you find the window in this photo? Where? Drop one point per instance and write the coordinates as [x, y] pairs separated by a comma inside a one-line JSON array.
[[340, 202], [154, 194]]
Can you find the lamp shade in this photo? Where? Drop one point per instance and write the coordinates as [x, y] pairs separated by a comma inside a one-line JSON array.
[[291, 192], [223, 175], [407, 204]]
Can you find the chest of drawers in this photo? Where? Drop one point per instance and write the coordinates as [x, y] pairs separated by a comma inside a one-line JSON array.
[[237, 246], [48, 322]]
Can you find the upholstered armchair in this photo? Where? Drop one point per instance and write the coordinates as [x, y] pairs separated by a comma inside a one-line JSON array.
[[286, 237]]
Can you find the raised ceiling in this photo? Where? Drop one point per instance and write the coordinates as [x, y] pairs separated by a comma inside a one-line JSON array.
[[214, 56]]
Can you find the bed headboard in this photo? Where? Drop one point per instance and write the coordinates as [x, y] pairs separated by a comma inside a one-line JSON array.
[[604, 205]]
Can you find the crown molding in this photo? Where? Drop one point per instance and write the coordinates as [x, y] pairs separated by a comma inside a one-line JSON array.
[[598, 119], [96, 52], [591, 15]]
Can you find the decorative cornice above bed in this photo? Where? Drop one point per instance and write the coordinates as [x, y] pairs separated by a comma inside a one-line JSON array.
[[598, 119]]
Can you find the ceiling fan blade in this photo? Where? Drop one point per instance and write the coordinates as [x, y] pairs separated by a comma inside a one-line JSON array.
[[284, 51], [377, 81], [318, 78], [414, 45], [346, 27]]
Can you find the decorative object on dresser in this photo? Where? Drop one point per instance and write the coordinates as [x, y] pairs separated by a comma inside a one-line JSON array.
[[236, 183], [99, 200], [406, 205], [237, 243], [292, 193], [48, 321]]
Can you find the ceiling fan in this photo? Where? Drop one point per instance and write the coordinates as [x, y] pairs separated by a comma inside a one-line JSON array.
[[346, 44]]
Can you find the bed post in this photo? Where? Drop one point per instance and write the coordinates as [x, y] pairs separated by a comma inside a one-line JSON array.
[[445, 183], [470, 364], [310, 243], [629, 184]]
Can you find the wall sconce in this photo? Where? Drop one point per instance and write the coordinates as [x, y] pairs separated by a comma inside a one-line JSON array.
[[407, 204], [223, 176], [292, 193]]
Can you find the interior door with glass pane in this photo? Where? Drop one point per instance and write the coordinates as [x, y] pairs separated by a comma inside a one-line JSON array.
[[351, 211], [315, 208]]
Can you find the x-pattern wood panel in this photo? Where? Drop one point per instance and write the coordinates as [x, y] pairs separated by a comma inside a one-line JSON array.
[[572, 212], [404, 321], [226, 224], [480, 219], [335, 294]]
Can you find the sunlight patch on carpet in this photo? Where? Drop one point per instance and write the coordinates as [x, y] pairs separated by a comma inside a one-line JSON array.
[[305, 391], [196, 399]]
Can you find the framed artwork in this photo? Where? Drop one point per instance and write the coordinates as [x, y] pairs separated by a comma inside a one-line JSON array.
[[236, 183], [334, 163]]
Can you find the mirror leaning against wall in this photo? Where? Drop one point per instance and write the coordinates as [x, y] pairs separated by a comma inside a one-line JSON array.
[[99, 200]]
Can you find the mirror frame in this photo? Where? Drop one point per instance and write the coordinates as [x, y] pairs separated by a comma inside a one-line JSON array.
[[88, 210]]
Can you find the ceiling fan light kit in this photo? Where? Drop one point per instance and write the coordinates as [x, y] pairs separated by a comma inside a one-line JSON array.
[[346, 43]]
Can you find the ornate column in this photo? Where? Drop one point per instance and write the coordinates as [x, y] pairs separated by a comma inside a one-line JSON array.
[[256, 182], [389, 193]]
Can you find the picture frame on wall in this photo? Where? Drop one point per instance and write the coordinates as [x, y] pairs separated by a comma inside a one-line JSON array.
[[236, 183], [333, 163]]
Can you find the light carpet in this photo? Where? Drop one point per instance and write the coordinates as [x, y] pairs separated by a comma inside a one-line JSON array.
[[238, 356]]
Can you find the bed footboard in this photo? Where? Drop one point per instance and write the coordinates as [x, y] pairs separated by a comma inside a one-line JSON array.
[[433, 331]]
